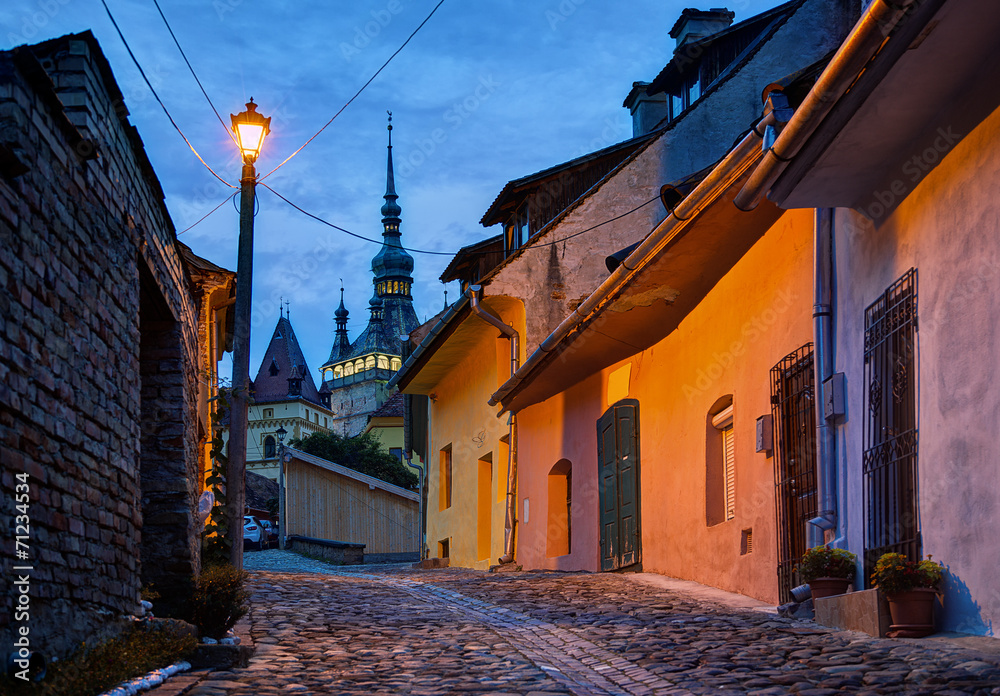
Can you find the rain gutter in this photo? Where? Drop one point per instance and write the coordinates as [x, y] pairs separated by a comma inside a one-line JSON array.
[[742, 157], [425, 345], [864, 41]]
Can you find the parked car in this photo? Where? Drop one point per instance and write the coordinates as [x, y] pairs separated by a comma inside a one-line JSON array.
[[254, 535], [271, 529]]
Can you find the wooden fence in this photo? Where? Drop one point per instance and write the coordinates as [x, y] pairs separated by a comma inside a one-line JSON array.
[[328, 501]]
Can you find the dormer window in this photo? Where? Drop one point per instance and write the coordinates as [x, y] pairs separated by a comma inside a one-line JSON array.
[[516, 230], [274, 369]]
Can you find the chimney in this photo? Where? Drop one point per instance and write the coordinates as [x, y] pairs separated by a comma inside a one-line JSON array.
[[697, 24], [647, 111]]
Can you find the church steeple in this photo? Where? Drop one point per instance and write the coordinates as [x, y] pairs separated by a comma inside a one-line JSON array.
[[392, 265], [377, 349]]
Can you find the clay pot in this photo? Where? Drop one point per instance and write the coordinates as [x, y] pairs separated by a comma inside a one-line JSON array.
[[912, 613], [829, 587]]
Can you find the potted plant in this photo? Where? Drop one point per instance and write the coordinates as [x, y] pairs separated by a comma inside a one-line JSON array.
[[910, 587], [828, 571]]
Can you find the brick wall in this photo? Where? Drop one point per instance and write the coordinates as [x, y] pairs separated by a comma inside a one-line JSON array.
[[98, 407]]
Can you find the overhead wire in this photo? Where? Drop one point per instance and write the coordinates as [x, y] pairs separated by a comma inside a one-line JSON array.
[[287, 159], [358, 93], [206, 215], [317, 218], [157, 96], [193, 74]]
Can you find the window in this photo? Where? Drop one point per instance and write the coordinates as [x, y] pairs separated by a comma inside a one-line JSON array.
[[269, 447], [396, 452], [338, 371], [326, 422], [370, 362], [316, 418], [395, 364], [359, 365], [268, 413], [793, 410], [720, 464], [307, 414], [444, 479], [516, 230], [273, 369], [889, 457], [693, 89], [560, 518], [676, 105], [348, 369], [383, 362]]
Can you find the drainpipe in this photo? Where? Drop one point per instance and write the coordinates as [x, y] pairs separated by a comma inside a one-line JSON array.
[[510, 520], [743, 156], [864, 41], [826, 468]]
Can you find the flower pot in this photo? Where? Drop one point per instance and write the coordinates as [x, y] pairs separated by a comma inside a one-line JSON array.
[[912, 613], [829, 587]]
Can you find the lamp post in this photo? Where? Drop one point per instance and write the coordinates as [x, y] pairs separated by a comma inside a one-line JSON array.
[[250, 129], [281, 432]]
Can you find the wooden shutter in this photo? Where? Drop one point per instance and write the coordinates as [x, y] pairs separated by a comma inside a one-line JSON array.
[[729, 456]]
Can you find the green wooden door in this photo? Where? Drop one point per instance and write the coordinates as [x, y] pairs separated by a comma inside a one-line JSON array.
[[618, 464]]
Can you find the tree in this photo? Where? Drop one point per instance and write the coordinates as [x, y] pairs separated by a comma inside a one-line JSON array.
[[363, 453]]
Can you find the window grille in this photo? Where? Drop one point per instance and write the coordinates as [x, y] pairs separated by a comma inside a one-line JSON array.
[[793, 410], [889, 461]]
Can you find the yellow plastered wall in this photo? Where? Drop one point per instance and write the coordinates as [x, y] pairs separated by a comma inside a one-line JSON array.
[[461, 419]]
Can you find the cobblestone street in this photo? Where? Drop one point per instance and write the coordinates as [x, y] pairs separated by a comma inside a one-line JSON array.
[[321, 629]]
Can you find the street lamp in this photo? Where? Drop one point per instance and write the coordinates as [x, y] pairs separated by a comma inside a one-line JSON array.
[[281, 432], [250, 129]]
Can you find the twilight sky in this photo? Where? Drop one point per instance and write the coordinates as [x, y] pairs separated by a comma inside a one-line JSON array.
[[486, 92]]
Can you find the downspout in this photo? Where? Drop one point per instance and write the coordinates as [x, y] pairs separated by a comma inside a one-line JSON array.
[[864, 41], [826, 468], [743, 156], [510, 520]]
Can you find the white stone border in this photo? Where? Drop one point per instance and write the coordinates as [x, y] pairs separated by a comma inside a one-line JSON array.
[[154, 678]]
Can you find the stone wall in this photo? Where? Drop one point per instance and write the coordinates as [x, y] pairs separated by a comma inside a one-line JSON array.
[[357, 402], [336, 552], [106, 431]]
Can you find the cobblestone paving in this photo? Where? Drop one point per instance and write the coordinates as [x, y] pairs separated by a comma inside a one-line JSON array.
[[321, 629]]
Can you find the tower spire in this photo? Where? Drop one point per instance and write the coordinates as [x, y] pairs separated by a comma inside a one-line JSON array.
[[341, 343], [390, 210]]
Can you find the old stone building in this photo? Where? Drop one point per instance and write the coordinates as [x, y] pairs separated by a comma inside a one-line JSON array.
[[284, 397], [108, 337]]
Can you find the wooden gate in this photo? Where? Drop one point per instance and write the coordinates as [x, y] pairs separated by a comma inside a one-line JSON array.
[[618, 462]]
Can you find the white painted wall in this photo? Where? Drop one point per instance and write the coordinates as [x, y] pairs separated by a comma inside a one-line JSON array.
[[949, 229]]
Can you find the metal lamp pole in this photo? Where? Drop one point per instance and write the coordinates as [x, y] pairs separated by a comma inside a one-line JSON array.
[[281, 432], [250, 128]]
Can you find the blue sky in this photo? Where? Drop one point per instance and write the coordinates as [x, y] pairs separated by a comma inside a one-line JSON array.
[[486, 92]]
